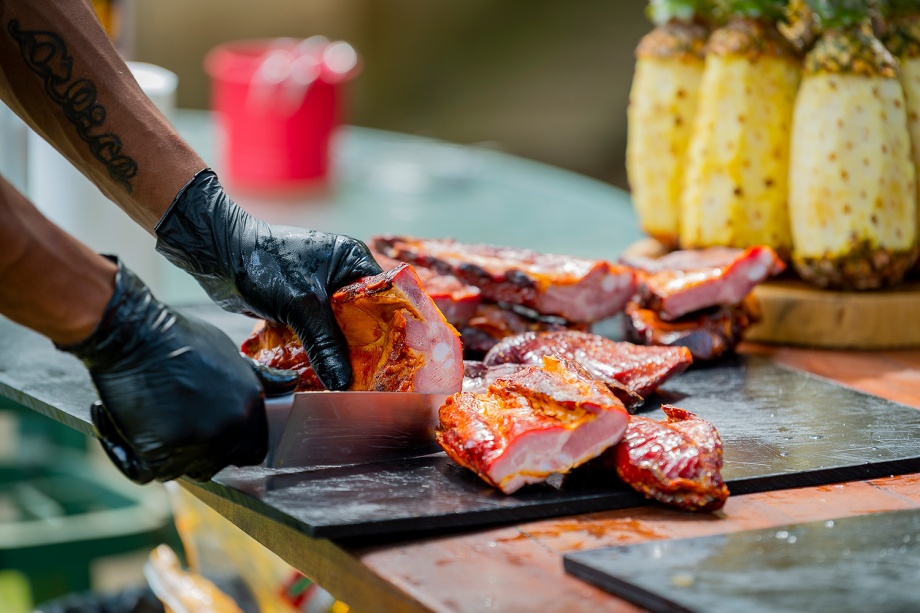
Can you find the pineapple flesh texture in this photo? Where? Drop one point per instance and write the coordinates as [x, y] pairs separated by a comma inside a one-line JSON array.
[[662, 105], [852, 189], [904, 42], [736, 189]]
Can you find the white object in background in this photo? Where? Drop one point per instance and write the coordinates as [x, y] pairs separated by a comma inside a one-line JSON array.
[[71, 201], [13, 148]]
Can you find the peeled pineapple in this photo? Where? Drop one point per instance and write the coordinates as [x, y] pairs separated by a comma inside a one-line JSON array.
[[736, 191], [662, 104], [902, 38], [852, 192]]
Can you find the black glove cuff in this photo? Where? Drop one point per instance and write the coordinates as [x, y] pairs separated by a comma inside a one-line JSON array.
[[186, 234], [115, 335], [200, 233]]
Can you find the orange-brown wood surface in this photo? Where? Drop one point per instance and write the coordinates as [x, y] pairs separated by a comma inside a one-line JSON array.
[[519, 568]]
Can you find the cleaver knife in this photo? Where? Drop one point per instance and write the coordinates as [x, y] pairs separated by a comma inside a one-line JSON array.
[[312, 429]]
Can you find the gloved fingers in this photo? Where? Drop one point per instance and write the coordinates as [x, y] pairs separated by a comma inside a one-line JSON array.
[[325, 346], [117, 448], [275, 381], [353, 262]]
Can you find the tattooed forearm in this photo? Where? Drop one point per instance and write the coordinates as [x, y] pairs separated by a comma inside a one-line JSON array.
[[46, 55]]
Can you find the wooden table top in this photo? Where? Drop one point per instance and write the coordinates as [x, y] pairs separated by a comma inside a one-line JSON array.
[[519, 568]]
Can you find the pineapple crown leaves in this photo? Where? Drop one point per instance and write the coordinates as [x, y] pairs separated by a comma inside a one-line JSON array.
[[662, 11], [776, 10], [842, 13]]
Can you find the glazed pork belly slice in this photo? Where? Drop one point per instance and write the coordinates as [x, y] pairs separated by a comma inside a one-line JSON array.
[[576, 289], [276, 345], [538, 421], [477, 377], [677, 462], [493, 322], [456, 300], [708, 334], [397, 338], [682, 282], [639, 368]]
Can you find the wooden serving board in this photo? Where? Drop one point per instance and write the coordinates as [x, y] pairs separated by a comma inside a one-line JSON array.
[[796, 313]]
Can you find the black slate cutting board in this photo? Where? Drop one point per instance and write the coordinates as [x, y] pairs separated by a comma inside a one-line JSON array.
[[781, 428], [859, 564]]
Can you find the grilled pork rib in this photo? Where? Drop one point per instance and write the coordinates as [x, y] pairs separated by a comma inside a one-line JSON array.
[[454, 298], [398, 340], [677, 462], [682, 282], [640, 369], [576, 289], [708, 334], [276, 345], [535, 422], [491, 323]]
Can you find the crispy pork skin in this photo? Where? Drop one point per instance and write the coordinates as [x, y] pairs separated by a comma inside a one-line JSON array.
[[398, 339], [677, 462], [708, 334], [640, 369], [682, 282], [576, 289], [535, 422], [454, 298], [276, 345]]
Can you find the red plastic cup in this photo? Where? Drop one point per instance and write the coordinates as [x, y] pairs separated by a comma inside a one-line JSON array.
[[277, 104]]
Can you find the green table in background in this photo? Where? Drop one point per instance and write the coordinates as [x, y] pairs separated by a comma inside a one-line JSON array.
[[391, 183]]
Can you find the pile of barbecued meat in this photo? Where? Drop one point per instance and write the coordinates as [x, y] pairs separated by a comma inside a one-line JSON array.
[[539, 393]]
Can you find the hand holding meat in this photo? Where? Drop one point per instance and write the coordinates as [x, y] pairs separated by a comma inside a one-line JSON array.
[[177, 398], [280, 274]]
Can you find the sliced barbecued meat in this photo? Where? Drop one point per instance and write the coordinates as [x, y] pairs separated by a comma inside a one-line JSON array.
[[276, 345], [641, 369], [538, 421], [682, 282], [477, 377], [454, 298], [398, 339], [677, 462], [708, 334], [576, 289], [492, 322]]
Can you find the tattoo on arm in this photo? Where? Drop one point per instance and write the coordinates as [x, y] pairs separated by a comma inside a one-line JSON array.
[[46, 55]]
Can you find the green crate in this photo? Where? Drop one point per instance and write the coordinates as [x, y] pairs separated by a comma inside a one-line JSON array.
[[59, 512]]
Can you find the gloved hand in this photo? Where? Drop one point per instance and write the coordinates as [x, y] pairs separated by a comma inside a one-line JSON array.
[[177, 396], [279, 273]]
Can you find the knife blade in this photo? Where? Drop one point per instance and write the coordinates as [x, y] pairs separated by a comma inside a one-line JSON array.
[[310, 429]]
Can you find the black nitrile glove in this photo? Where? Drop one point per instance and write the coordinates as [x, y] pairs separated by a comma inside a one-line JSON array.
[[177, 396], [279, 273]]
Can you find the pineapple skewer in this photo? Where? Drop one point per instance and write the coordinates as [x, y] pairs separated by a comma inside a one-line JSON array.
[[852, 191], [735, 192], [662, 104]]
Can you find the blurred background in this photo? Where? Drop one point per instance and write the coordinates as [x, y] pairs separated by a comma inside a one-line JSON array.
[[543, 79]]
